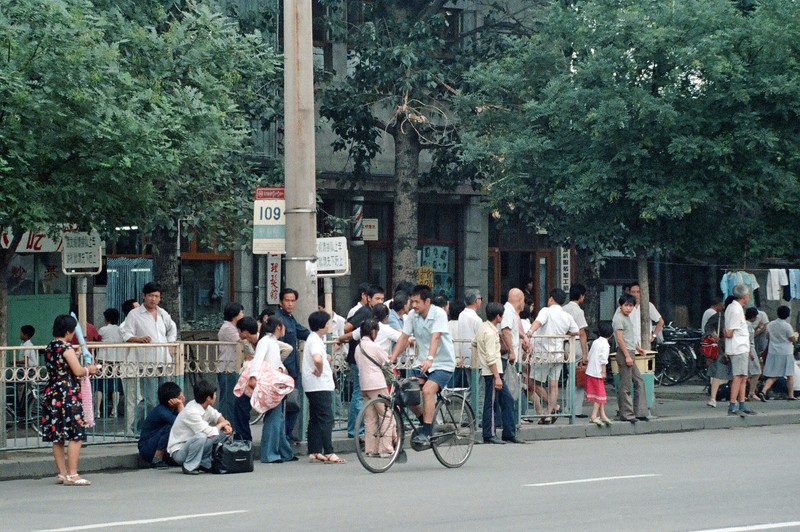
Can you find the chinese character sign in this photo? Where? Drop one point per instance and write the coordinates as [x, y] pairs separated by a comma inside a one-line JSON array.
[[273, 279]]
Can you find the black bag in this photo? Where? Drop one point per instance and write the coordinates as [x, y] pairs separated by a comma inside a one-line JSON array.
[[232, 456]]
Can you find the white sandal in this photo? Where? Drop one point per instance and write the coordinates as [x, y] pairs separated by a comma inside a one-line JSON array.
[[76, 480], [60, 478]]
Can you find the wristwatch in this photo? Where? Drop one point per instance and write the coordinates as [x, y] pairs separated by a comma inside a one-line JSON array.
[[430, 358]]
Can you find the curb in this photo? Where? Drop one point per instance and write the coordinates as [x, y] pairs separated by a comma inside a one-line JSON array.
[[39, 464]]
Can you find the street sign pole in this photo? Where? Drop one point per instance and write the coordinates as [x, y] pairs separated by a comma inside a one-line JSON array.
[[300, 177]]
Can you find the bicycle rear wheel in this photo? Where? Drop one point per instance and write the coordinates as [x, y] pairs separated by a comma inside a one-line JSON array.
[[670, 365], [453, 431], [384, 439]]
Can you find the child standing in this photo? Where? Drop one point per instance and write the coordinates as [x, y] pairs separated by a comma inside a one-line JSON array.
[[596, 375]]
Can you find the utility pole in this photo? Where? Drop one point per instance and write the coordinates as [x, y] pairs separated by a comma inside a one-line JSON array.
[[300, 180]]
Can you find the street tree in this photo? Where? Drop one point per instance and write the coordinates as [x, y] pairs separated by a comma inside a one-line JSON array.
[[72, 143], [207, 84], [405, 65], [642, 126]]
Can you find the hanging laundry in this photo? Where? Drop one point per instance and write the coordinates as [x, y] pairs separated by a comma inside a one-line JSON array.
[[776, 280], [794, 283]]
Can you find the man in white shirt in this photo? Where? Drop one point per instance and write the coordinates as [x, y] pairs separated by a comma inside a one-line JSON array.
[[511, 335], [150, 324], [737, 349], [577, 295], [196, 429], [636, 316], [551, 321], [716, 306], [468, 324]]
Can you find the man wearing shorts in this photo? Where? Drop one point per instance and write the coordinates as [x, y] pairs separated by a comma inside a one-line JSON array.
[[436, 356], [737, 347]]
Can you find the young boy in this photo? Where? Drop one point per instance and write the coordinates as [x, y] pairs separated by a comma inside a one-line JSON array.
[[754, 364], [628, 371], [28, 357], [110, 334], [597, 359]]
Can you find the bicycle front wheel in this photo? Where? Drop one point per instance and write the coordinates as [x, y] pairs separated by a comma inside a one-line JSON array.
[[383, 435], [453, 431]]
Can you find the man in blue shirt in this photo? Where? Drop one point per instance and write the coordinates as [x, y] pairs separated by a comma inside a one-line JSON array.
[[294, 332], [436, 356], [155, 430]]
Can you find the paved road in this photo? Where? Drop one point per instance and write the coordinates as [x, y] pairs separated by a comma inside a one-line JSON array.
[[685, 481]]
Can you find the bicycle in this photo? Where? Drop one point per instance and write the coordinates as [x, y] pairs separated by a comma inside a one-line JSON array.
[[27, 414], [676, 358], [453, 427]]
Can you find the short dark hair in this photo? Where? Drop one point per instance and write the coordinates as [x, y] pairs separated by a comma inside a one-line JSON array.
[[168, 390], [626, 298], [268, 311], [524, 314], [783, 312], [368, 326], [375, 289], [493, 310], [318, 320], [558, 295], [750, 313], [455, 309], [576, 291], [605, 329], [151, 287], [127, 306], [423, 291], [63, 324], [28, 331], [634, 283], [399, 301], [285, 291], [728, 300], [248, 324], [203, 389], [232, 310], [380, 312], [440, 300], [111, 315], [404, 286]]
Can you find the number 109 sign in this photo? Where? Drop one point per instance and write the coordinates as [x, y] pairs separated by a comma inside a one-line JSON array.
[[269, 221]]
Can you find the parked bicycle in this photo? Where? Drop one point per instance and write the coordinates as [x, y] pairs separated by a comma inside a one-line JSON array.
[[25, 413], [677, 358], [453, 427]]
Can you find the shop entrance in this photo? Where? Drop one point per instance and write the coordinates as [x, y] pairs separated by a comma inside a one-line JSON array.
[[532, 270]]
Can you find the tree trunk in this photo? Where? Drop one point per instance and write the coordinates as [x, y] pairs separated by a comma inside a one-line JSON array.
[[406, 201], [5, 259], [644, 300], [589, 275], [165, 270]]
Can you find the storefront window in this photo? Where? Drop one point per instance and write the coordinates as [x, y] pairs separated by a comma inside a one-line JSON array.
[[20, 275], [205, 291], [50, 278], [436, 268], [36, 273]]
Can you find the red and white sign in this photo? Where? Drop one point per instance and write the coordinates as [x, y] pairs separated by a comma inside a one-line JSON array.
[[32, 242], [273, 279]]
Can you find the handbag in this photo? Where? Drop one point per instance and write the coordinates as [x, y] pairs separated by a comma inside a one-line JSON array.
[[710, 347], [232, 455], [86, 401], [387, 372], [580, 376]]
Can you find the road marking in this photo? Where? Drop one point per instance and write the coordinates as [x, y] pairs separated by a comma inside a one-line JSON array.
[[142, 521], [767, 526], [583, 480]]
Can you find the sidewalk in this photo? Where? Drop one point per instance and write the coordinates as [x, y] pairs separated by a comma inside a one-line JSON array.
[[678, 409]]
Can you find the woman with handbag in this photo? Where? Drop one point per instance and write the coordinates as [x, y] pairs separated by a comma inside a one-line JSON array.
[[372, 360], [720, 369], [780, 354], [62, 410]]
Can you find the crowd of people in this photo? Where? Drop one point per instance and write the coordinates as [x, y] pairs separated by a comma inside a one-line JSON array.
[[378, 333]]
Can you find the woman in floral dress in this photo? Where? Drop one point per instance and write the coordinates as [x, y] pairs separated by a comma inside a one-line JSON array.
[[62, 411]]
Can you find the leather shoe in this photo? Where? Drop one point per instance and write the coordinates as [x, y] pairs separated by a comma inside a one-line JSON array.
[[495, 440], [190, 471], [515, 439], [643, 418]]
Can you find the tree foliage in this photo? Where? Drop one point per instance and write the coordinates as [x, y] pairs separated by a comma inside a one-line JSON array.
[[644, 125]]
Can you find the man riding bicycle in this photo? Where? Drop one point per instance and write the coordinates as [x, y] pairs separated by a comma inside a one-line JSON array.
[[436, 357]]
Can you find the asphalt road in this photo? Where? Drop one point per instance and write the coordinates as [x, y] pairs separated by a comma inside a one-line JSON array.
[[687, 481]]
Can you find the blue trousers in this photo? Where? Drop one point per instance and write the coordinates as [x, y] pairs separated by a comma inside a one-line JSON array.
[[157, 441], [226, 381], [506, 405], [241, 417], [275, 446], [356, 402]]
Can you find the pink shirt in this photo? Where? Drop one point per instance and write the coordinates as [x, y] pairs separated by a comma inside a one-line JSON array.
[[371, 376]]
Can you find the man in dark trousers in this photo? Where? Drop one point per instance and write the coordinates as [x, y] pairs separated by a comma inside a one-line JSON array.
[[294, 333]]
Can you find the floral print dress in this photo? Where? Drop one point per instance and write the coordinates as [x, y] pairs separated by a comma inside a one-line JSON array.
[[62, 411]]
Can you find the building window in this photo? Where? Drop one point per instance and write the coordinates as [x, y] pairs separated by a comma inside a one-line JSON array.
[[36, 273]]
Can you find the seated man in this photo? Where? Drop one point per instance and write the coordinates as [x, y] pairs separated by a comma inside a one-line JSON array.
[[196, 429], [157, 426]]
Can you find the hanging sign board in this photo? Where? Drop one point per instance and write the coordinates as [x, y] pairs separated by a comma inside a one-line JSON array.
[[269, 221]]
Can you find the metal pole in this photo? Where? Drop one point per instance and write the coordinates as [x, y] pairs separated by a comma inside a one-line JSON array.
[[300, 173]]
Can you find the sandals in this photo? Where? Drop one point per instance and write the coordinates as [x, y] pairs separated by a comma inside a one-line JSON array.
[[597, 421], [317, 458], [76, 480], [326, 459], [606, 421], [60, 478], [544, 421]]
